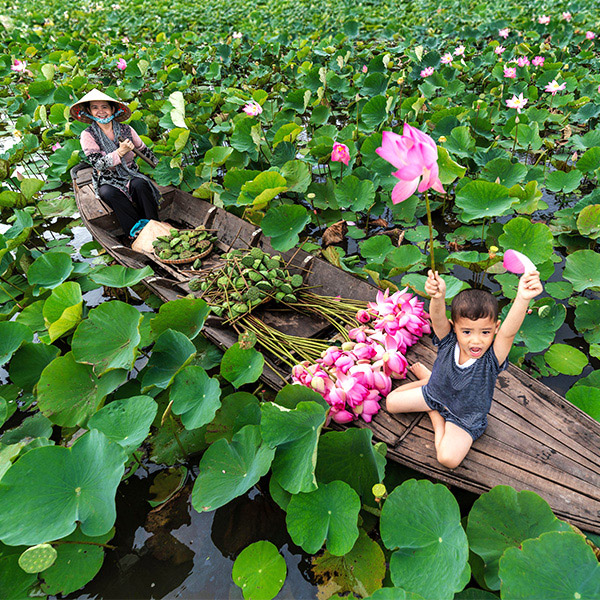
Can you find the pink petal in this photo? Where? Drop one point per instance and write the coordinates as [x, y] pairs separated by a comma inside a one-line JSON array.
[[403, 190], [515, 262]]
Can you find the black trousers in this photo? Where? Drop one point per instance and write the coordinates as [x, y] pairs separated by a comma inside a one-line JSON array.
[[128, 213]]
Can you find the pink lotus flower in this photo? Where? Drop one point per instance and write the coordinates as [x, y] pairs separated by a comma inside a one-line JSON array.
[[414, 154], [499, 50], [566, 16], [394, 365], [590, 35], [56, 147], [459, 51], [517, 102], [599, 89], [358, 334], [523, 61], [253, 108], [340, 153], [553, 87], [543, 20], [125, 39], [538, 61], [342, 416], [365, 68], [510, 72], [362, 316], [427, 72], [18, 65], [237, 35], [515, 262], [121, 64], [447, 58], [503, 33]]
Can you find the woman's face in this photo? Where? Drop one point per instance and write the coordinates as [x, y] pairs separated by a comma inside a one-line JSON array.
[[101, 109]]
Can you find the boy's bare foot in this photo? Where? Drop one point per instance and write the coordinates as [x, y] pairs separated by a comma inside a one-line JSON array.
[[420, 371]]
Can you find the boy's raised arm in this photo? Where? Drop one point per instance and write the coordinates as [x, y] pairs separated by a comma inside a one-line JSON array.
[[435, 286], [529, 287]]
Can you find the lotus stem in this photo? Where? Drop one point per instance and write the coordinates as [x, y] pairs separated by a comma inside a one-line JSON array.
[[429, 222]]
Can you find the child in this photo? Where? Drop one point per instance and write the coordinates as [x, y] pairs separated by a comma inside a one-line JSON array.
[[473, 349]]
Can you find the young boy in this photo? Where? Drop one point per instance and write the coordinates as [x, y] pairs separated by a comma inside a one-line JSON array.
[[473, 349]]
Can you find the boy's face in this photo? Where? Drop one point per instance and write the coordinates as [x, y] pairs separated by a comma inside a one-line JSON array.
[[474, 337]]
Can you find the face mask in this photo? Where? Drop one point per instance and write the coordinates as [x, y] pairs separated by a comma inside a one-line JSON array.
[[106, 119]]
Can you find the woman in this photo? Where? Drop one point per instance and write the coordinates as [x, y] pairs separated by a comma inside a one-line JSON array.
[[108, 145]]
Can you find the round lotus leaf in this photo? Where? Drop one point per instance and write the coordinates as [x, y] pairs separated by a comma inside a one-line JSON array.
[[421, 521], [483, 200], [586, 320], [15, 584], [535, 240], [278, 494], [166, 484], [240, 366], [582, 269], [295, 434], [63, 309], [291, 395], [12, 335], [394, 593], [32, 427], [49, 490], [69, 393], [117, 276], [586, 398], [108, 338], [37, 558], [260, 571], [475, 594], [228, 470], [195, 396], [234, 414], [186, 315], [329, 514], [503, 518], [554, 566], [351, 457], [126, 422], [28, 363], [376, 248], [264, 187], [50, 269], [588, 221], [566, 359], [561, 290], [353, 194], [416, 283], [283, 224]]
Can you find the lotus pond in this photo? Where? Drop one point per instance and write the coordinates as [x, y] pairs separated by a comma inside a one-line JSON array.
[[106, 449]]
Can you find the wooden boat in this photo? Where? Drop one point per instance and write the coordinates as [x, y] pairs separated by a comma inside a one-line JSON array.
[[535, 440]]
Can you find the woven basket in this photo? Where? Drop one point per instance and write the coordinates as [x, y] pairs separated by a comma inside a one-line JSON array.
[[185, 261]]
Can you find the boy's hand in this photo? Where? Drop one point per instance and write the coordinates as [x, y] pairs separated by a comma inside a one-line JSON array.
[[435, 286], [529, 286]]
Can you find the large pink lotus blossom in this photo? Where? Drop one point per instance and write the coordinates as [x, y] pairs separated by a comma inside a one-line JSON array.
[[340, 153], [121, 64], [523, 61], [503, 33], [554, 87], [543, 19], [517, 102], [566, 16], [590, 35], [253, 108], [446, 59], [414, 154], [427, 72], [18, 65], [510, 72], [459, 51], [538, 61]]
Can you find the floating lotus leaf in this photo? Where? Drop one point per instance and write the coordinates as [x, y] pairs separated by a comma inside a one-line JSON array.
[[291, 395], [69, 393], [260, 571], [207, 354], [117, 276], [228, 470], [483, 200], [561, 290], [586, 398], [297, 176], [532, 239], [262, 189], [283, 224], [374, 112], [28, 363], [586, 320], [15, 584], [12, 336], [475, 594], [166, 484], [554, 566], [186, 315], [588, 221], [49, 490], [329, 514], [35, 426], [403, 258], [195, 396], [171, 353], [63, 309], [559, 181], [236, 410], [108, 338], [396, 593], [351, 457], [50, 269], [582, 269], [126, 422], [360, 571], [421, 522], [37, 558], [295, 433], [172, 443], [460, 142], [376, 248], [416, 282], [354, 194], [240, 366], [507, 172], [566, 359], [589, 161], [503, 518]]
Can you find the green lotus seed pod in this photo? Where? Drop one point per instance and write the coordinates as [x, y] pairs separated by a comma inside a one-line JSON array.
[[197, 264], [247, 261], [286, 288], [253, 293], [279, 296], [256, 253], [296, 280], [247, 340], [255, 276], [37, 558], [217, 310], [173, 232], [290, 298], [195, 284]]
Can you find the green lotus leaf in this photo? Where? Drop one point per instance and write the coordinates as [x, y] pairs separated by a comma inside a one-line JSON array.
[[473, 260], [566, 359], [532, 239], [240, 366], [12, 336], [582, 269], [171, 353], [3, 411], [35, 426], [164, 174], [50, 269], [166, 484], [283, 224], [237, 410], [246, 136], [217, 156], [421, 522], [37, 558], [351, 457], [173, 443], [260, 571], [563, 564], [588, 221], [126, 422], [483, 200], [63, 309], [228, 470], [374, 112], [33, 316], [586, 398], [396, 593], [287, 133], [28, 363], [503, 518], [460, 142], [207, 354], [354, 194], [561, 290], [69, 393], [76, 563], [297, 175], [117, 276], [559, 181], [586, 320], [49, 490], [15, 584], [291, 395], [108, 338], [376, 248], [530, 197], [507, 172], [186, 315], [589, 161], [295, 434], [195, 396], [449, 170], [360, 571], [416, 283], [262, 189]]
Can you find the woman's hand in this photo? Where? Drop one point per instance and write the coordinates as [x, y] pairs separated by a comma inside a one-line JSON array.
[[124, 147], [435, 286], [530, 286]]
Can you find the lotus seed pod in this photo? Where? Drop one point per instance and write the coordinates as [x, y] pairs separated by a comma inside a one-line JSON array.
[[37, 558], [247, 340], [379, 490]]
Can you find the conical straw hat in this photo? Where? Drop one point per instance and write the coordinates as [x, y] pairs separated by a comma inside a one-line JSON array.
[[78, 109]]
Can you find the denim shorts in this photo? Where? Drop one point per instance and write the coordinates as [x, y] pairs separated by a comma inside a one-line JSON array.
[[475, 432]]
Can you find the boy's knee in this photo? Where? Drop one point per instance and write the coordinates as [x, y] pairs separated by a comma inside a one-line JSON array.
[[448, 458]]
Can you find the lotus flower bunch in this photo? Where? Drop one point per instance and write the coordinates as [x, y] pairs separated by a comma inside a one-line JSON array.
[[355, 377]]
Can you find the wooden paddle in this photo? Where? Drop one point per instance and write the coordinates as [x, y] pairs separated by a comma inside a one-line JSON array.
[[139, 153]]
